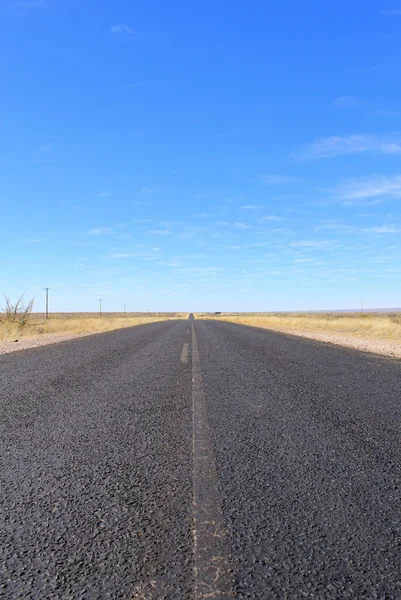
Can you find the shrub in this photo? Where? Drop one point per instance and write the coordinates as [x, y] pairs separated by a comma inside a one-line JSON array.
[[16, 314]]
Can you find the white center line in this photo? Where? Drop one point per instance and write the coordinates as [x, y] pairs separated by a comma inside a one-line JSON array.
[[185, 353], [213, 578]]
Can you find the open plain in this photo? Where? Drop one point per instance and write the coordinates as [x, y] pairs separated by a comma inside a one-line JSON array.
[[378, 332]]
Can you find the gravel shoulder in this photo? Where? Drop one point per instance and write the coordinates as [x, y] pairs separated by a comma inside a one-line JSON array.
[[383, 347], [40, 340]]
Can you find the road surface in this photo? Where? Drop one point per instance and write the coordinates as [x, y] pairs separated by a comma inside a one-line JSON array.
[[184, 460]]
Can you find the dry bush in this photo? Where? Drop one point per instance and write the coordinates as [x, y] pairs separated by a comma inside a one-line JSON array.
[[16, 317]]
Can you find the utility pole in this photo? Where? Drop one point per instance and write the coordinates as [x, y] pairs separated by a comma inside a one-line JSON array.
[[125, 312], [47, 302], [362, 306], [100, 308]]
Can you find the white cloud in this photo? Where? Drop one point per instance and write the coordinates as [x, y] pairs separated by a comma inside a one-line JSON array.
[[141, 255], [128, 86], [29, 4], [376, 187], [44, 149], [353, 144], [240, 225], [103, 195], [277, 179], [153, 189], [159, 232], [393, 11], [43, 155], [121, 29], [311, 244], [347, 102], [252, 206], [125, 254], [34, 240], [99, 230], [269, 218], [383, 229]]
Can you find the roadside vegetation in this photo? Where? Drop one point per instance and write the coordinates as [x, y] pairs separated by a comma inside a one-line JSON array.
[[15, 318], [18, 321], [374, 326]]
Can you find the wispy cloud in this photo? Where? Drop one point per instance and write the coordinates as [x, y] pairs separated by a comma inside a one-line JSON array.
[[121, 29], [103, 195], [128, 86], [241, 225], [378, 187], [308, 260], [34, 240], [383, 229], [44, 149], [42, 154], [267, 218], [311, 244], [392, 12], [252, 207], [348, 102], [153, 189], [25, 5], [353, 144], [277, 179], [147, 255], [159, 232], [100, 230]]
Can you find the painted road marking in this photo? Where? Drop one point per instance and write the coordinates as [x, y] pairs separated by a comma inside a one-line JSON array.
[[184, 353], [213, 578]]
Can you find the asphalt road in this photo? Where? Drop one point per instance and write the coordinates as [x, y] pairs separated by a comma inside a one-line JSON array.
[[127, 460]]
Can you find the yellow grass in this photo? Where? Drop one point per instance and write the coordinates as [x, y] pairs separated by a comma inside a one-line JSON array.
[[79, 324], [374, 326]]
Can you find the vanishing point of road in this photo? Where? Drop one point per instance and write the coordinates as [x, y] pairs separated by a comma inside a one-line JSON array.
[[199, 459]]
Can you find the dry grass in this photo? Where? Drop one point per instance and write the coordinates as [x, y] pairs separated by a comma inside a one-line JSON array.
[[374, 326], [74, 323]]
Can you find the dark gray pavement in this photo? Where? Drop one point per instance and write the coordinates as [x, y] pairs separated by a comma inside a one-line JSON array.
[[307, 445], [96, 466]]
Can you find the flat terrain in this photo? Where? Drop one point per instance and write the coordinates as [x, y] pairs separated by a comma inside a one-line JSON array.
[[377, 332], [97, 471], [38, 330]]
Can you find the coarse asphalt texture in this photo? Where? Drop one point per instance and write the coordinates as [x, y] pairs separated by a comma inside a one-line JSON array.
[[96, 466]]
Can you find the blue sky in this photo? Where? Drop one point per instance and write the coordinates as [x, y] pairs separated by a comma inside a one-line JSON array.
[[201, 155]]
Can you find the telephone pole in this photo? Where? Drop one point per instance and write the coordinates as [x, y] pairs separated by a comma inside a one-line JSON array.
[[125, 312], [100, 308], [47, 302]]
